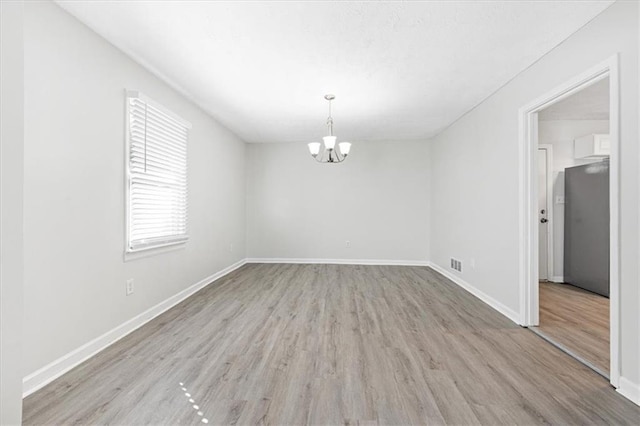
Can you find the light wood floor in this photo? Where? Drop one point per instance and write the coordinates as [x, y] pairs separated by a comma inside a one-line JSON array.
[[331, 344], [578, 320]]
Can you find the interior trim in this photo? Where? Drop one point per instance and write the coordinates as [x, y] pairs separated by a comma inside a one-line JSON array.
[[340, 261], [504, 310]]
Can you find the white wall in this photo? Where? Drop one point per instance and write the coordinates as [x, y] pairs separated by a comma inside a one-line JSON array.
[[11, 213], [378, 199], [74, 190], [561, 134], [474, 165]]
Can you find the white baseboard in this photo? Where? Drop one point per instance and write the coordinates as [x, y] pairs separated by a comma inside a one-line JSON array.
[[507, 312], [629, 390], [341, 261], [57, 368], [556, 279]]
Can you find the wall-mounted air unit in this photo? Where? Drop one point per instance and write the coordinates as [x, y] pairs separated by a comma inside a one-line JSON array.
[[592, 146]]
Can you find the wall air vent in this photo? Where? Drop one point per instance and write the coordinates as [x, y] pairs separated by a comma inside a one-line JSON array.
[[456, 264]]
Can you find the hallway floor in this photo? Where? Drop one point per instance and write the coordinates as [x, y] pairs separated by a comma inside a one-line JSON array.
[[578, 320]]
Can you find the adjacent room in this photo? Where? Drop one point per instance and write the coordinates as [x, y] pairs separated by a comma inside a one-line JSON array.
[[574, 147], [363, 213]]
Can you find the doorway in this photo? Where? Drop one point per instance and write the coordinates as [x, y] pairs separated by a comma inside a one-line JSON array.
[[573, 302], [544, 292]]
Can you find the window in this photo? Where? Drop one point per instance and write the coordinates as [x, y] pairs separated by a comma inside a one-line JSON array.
[[156, 175]]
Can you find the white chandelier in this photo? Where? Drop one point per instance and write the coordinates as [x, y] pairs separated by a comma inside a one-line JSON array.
[[330, 154]]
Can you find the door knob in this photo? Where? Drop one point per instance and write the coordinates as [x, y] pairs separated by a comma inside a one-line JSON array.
[[543, 220]]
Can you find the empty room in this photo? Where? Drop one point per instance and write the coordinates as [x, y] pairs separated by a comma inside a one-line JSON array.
[[324, 213]]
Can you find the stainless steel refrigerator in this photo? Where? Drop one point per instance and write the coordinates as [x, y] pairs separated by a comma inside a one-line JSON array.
[[586, 227]]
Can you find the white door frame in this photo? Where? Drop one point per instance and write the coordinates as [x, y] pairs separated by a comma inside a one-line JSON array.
[[528, 279], [550, 242]]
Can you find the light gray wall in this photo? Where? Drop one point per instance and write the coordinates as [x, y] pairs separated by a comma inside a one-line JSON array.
[[474, 166], [561, 134], [378, 199], [11, 214], [381, 199], [74, 198]]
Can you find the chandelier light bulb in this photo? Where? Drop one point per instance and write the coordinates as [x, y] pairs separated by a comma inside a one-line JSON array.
[[314, 148], [345, 147], [329, 142]]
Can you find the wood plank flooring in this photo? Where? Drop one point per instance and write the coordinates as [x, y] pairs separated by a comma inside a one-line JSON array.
[[578, 320], [330, 344]]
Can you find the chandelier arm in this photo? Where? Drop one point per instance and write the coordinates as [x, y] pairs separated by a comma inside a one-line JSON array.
[[333, 157], [322, 160]]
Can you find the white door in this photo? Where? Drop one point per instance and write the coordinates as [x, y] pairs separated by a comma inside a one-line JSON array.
[[543, 223]]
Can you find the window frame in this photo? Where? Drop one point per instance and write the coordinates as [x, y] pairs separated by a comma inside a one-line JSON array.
[[161, 246]]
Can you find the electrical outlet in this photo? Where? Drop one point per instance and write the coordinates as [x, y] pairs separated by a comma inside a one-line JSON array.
[[129, 286], [347, 244]]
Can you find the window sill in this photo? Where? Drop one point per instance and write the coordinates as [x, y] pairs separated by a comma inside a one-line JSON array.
[[153, 251]]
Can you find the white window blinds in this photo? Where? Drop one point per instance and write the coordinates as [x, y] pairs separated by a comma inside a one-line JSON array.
[[157, 175]]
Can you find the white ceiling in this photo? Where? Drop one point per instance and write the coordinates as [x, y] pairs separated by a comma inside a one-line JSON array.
[[400, 70], [591, 103]]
